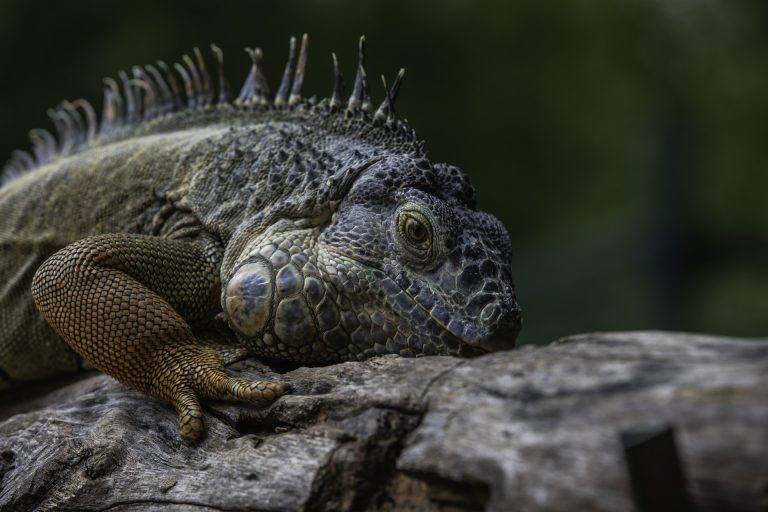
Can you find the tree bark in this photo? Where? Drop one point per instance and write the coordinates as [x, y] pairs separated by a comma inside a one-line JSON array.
[[530, 429]]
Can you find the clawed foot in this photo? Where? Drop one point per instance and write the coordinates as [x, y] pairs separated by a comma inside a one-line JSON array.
[[204, 377]]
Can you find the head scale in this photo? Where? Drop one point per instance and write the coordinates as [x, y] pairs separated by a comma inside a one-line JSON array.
[[405, 264]]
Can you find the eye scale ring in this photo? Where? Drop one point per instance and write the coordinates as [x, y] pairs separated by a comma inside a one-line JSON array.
[[416, 235]]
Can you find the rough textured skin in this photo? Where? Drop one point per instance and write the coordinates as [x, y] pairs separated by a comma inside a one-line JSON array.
[[309, 231], [88, 294]]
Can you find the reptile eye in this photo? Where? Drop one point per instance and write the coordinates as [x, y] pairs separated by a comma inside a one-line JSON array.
[[415, 230]]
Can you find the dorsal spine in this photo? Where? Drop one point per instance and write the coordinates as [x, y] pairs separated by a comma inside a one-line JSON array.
[[154, 91]]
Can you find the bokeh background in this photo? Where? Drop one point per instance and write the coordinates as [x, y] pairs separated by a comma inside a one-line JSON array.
[[624, 143]]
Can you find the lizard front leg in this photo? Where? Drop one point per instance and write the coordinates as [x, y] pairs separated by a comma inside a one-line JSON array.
[[124, 302]]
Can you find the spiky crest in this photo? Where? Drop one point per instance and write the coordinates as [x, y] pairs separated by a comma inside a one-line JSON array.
[[155, 92]]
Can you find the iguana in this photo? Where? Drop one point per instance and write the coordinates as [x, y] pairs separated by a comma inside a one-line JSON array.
[[310, 231]]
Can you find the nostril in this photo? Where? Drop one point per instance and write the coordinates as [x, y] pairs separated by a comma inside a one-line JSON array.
[[502, 327], [490, 313]]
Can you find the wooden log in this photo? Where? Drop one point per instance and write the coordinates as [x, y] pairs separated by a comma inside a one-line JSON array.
[[530, 429]]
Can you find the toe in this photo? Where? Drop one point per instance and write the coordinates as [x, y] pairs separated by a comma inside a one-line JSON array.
[[187, 405], [255, 391]]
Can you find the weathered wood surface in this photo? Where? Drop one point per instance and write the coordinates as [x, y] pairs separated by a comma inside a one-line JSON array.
[[532, 429]]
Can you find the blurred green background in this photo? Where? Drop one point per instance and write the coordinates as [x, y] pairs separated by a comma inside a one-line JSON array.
[[624, 143]]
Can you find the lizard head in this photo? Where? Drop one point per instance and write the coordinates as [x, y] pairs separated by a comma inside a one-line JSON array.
[[406, 264], [437, 270], [357, 244]]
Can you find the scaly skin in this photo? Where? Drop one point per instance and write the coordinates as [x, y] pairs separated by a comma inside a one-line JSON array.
[[317, 232], [101, 297]]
